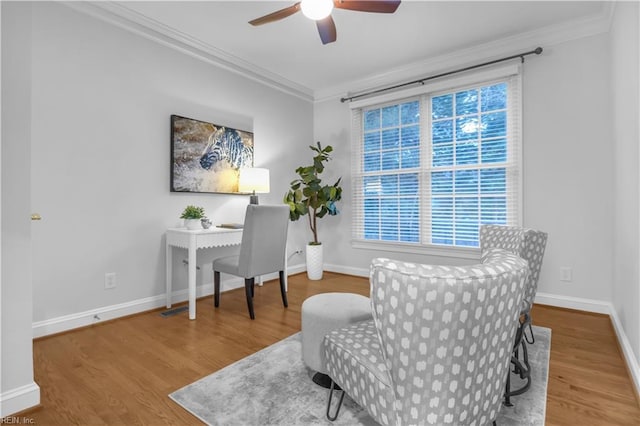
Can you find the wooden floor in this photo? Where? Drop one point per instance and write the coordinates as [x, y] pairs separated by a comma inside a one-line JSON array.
[[120, 372]]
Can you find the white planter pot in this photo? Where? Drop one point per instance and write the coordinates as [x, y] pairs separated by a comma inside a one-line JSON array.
[[314, 262], [192, 224]]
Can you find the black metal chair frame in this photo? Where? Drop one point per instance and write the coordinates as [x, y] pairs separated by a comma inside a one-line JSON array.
[[521, 367], [333, 387]]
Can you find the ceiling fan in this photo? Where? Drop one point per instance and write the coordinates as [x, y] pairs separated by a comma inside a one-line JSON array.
[[320, 11]]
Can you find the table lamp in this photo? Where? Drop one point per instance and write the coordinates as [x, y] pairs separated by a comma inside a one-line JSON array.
[[254, 180]]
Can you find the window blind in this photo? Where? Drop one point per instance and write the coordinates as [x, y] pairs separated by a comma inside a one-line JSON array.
[[428, 170]]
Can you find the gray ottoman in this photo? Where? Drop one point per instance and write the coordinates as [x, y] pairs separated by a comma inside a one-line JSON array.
[[323, 313]]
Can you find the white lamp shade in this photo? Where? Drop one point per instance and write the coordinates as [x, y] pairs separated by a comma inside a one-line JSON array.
[[254, 180]]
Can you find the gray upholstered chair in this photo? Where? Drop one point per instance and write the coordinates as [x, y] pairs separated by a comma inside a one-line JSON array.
[[529, 244], [263, 250], [438, 347]]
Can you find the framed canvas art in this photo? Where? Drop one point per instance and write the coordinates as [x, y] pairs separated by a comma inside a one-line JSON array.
[[207, 157]]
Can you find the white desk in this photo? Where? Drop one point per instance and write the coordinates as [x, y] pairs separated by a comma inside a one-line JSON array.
[[194, 240]]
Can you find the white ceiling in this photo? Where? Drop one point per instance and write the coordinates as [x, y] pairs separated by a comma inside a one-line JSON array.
[[368, 44]]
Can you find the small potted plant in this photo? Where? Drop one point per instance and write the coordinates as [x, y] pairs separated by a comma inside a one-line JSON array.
[[192, 216]]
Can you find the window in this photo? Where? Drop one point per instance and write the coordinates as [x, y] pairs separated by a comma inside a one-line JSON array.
[[429, 170]]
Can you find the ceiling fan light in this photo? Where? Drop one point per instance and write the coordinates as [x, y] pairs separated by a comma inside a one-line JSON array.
[[316, 9]]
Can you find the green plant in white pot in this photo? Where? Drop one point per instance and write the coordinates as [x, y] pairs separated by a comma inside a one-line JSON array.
[[308, 196], [192, 216]]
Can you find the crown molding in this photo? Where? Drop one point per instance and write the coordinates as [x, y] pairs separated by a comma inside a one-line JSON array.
[[544, 37], [132, 21]]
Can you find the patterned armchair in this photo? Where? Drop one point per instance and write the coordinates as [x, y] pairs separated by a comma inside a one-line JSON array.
[[437, 350], [529, 244]]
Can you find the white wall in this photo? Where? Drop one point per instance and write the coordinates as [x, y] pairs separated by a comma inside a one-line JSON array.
[[568, 169], [569, 164], [17, 388], [626, 137], [102, 98]]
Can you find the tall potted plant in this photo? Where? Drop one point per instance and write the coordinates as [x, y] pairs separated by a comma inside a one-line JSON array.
[[308, 196]]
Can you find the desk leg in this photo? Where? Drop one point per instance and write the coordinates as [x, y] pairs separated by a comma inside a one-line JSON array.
[[192, 277], [286, 267], [169, 271]]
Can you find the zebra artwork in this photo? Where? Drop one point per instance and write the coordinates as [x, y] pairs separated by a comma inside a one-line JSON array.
[[207, 157], [226, 144]]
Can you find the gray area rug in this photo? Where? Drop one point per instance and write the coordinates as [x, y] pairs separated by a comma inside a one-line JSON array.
[[274, 387]]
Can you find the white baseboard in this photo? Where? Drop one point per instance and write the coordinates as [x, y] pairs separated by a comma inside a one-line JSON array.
[[627, 351], [341, 269], [94, 316], [589, 305], [82, 319], [18, 399], [293, 269], [599, 307]]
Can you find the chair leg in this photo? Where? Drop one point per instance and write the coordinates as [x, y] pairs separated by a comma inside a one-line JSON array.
[[521, 368], [333, 386], [282, 290], [533, 338], [216, 288], [248, 288], [507, 390]]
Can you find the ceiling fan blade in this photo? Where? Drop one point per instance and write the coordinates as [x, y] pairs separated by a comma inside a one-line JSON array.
[[327, 30], [277, 15], [380, 6]]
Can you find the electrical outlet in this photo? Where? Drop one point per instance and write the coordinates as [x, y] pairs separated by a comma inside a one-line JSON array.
[[296, 252], [109, 280], [566, 274]]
